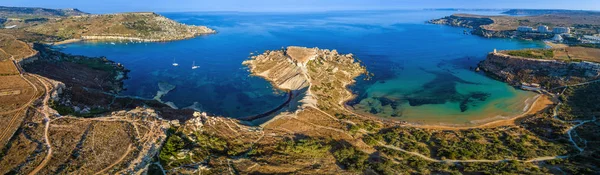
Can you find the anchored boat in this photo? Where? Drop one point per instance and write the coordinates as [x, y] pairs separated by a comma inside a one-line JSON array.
[[194, 65], [174, 63]]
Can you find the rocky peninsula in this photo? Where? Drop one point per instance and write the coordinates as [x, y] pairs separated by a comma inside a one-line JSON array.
[[318, 76]]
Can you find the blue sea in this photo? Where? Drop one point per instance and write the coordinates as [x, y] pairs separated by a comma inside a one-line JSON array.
[[422, 71]]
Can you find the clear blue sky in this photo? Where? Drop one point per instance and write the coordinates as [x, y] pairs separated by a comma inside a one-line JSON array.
[[108, 6]]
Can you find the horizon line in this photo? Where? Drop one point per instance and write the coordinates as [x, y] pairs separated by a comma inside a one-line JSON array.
[[348, 10], [309, 10]]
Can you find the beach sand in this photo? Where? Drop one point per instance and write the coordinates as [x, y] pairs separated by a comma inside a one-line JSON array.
[[541, 103]]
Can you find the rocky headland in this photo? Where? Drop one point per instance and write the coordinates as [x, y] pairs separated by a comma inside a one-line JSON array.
[[318, 76]]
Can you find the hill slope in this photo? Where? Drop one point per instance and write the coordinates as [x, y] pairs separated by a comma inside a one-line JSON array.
[[129, 26], [32, 12]]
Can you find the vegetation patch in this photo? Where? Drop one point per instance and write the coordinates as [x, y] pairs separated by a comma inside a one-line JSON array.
[[306, 148], [581, 102], [533, 53]]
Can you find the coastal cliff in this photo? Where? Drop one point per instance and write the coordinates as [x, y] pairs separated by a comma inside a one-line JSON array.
[[145, 27], [546, 72]]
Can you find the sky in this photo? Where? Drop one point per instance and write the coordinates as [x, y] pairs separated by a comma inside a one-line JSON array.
[[112, 6]]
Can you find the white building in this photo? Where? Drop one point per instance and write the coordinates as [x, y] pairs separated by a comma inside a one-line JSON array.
[[590, 39], [557, 38], [561, 30], [525, 29], [543, 29]]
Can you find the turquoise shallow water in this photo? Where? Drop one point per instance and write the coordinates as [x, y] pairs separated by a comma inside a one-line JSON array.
[[421, 70]]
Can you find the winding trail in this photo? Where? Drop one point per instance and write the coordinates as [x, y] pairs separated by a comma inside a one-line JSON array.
[[571, 131], [47, 121], [578, 84], [538, 159], [116, 162]]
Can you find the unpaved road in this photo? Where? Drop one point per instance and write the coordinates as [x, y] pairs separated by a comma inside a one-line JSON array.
[[47, 121]]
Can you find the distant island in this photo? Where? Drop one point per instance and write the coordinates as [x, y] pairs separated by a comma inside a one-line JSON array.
[[32, 12], [146, 27], [70, 25]]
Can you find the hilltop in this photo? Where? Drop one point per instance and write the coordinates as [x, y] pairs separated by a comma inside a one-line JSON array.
[[18, 17], [32, 12], [126, 26]]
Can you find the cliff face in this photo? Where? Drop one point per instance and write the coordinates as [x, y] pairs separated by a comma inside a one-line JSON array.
[[283, 71], [552, 73]]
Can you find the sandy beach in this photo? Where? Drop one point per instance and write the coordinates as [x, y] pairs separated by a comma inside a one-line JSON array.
[[542, 102]]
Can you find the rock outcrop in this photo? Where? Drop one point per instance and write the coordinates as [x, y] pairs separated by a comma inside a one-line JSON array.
[[284, 71]]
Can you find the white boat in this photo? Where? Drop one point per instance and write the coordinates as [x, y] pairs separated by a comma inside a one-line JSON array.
[[194, 65], [113, 43], [174, 63]]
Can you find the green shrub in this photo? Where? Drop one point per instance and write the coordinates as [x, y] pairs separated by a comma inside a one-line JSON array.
[[533, 53], [352, 159], [312, 148]]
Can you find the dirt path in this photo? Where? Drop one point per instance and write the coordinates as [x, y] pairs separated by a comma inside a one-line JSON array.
[[47, 121], [116, 162], [573, 128], [578, 84], [469, 160], [537, 159]]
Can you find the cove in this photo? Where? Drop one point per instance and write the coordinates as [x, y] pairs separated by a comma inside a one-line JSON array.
[[422, 72]]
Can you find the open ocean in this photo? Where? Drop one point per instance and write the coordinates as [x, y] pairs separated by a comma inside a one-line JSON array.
[[422, 71]]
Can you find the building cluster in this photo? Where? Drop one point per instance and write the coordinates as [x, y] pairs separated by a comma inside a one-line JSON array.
[[591, 39], [545, 29]]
